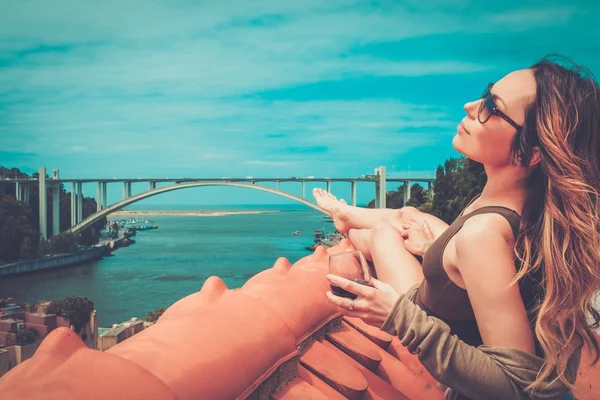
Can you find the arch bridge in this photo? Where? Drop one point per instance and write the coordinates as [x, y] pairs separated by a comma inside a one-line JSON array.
[[22, 187]]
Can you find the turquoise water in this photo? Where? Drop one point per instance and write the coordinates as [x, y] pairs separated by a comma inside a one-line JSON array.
[[173, 261]]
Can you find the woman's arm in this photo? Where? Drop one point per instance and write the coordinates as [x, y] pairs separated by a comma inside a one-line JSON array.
[[506, 364], [485, 372], [485, 261]]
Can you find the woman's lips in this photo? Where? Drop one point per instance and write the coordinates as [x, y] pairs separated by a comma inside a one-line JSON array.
[[462, 127]]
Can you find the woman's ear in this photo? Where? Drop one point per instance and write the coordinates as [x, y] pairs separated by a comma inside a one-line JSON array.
[[536, 157]]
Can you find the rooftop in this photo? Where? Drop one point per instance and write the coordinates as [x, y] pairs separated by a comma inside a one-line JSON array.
[[118, 328], [11, 320], [276, 337]]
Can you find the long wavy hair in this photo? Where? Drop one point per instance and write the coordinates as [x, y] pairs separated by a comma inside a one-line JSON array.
[[559, 239]]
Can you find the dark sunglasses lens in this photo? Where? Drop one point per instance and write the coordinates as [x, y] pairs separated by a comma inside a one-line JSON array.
[[486, 109]]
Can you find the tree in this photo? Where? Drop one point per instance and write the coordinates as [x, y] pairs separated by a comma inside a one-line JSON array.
[[62, 243], [153, 316], [76, 309], [26, 336], [19, 221], [27, 249], [418, 196], [456, 183], [15, 226]]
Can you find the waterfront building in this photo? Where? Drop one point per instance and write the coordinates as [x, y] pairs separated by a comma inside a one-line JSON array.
[[13, 319], [109, 337]]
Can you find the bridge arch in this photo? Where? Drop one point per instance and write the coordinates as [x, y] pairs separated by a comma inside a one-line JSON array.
[[141, 196]]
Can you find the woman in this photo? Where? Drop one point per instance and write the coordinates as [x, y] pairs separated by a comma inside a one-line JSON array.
[[511, 281]]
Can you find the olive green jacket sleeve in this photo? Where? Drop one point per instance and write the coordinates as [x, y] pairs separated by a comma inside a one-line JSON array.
[[484, 372]]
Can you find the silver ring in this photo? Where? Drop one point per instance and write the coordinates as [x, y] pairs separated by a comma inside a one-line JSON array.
[[351, 305]]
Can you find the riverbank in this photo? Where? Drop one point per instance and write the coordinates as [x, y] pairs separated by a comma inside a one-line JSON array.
[[54, 261], [132, 213]]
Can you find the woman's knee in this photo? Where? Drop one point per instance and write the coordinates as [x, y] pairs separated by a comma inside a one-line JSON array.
[[407, 213], [383, 231], [402, 216]]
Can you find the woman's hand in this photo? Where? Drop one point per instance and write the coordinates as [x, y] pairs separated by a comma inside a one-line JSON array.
[[373, 304], [417, 237]]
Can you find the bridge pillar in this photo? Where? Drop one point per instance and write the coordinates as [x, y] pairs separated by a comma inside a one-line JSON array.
[[98, 196], [407, 191], [26, 191], [43, 203], [151, 185], [73, 203], [277, 185], [55, 209], [430, 190], [19, 191], [380, 188], [79, 202], [303, 190], [353, 192], [328, 186], [126, 190], [104, 196]]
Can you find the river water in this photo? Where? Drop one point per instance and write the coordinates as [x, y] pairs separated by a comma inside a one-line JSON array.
[[173, 261]]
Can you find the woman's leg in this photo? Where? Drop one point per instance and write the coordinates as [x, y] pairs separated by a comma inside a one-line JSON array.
[[394, 264], [346, 217], [361, 240]]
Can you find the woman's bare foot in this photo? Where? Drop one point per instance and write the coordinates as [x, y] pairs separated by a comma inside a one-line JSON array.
[[334, 207]]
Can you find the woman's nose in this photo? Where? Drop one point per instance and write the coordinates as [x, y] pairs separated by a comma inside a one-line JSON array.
[[471, 108]]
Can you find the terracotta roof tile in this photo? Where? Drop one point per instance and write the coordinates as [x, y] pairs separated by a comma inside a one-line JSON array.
[[276, 337], [355, 346], [319, 384], [299, 390], [329, 365], [377, 387]]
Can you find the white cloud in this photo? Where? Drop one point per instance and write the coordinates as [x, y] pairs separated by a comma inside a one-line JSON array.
[[171, 79], [528, 18]]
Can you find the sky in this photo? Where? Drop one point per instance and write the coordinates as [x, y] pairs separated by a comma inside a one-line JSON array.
[[181, 88]]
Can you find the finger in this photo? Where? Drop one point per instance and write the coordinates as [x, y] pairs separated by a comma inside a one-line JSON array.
[[348, 285], [404, 234], [377, 284], [352, 313], [428, 229], [342, 302], [415, 225]]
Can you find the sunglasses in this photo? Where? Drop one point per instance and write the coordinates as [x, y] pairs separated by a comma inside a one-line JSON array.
[[488, 107]]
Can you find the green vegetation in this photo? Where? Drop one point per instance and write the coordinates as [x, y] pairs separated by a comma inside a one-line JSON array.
[[456, 183], [153, 316], [76, 309], [19, 236], [26, 336], [19, 222]]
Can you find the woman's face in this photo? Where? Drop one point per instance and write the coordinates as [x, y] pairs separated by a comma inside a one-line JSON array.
[[489, 143]]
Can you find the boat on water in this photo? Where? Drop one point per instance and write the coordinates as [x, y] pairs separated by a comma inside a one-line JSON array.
[[296, 233], [329, 240]]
